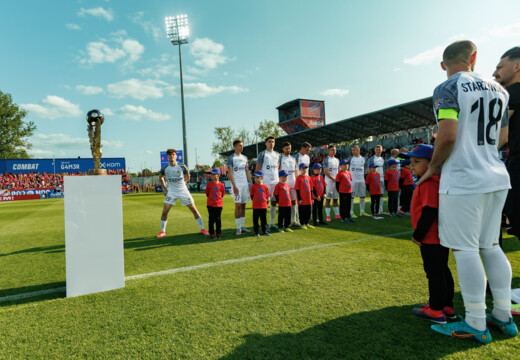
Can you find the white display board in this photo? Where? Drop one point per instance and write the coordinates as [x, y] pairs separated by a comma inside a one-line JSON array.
[[93, 234]]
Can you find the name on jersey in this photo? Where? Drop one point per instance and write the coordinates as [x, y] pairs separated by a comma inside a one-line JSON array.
[[480, 86], [175, 180]]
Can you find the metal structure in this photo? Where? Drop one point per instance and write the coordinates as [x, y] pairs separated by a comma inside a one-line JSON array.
[[178, 32]]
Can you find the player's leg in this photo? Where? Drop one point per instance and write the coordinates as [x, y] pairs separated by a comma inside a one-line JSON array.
[[164, 219], [243, 199], [352, 200], [243, 218], [382, 199], [197, 217], [327, 207], [238, 214]]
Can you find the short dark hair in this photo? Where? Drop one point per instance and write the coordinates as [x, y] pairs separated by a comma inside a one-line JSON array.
[[269, 138], [306, 145], [171, 151], [287, 143], [237, 141], [513, 54], [458, 53], [331, 146]]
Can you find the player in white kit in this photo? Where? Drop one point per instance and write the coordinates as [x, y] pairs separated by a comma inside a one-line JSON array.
[[238, 174], [471, 111], [174, 177], [288, 163], [357, 169], [330, 169], [380, 162], [267, 162]]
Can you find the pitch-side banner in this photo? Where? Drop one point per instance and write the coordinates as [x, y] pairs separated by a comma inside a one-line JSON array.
[[58, 165]]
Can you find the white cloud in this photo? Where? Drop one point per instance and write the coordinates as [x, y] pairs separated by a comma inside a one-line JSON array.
[[97, 12], [89, 90], [511, 30], [45, 142], [148, 26], [138, 89], [53, 107], [73, 26], [110, 51], [99, 52], [107, 112], [133, 48], [201, 90], [207, 53], [426, 56], [139, 113], [334, 92]]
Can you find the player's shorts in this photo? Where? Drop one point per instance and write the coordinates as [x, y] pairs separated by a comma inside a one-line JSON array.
[[184, 197], [470, 221], [271, 191], [359, 189], [243, 196], [294, 196], [332, 192]]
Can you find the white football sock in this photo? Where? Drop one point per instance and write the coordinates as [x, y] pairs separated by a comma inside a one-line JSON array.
[[472, 281], [163, 225], [352, 207], [293, 214], [361, 206], [272, 214], [327, 211], [242, 222], [336, 210], [498, 270], [199, 221], [238, 222]]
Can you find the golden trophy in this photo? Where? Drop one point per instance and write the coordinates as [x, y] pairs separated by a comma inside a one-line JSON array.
[[94, 119]]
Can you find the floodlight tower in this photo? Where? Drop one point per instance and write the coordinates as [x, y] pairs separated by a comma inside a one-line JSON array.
[[178, 32]]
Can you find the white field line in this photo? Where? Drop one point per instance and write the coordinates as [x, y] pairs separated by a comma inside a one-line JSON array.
[[207, 265]]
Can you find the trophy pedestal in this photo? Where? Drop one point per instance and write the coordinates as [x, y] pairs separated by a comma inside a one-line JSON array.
[[93, 234], [97, 172]]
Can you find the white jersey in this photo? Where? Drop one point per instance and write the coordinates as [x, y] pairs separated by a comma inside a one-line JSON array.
[[357, 168], [175, 177], [288, 163], [331, 164], [239, 165], [380, 162], [269, 162], [302, 159], [473, 166]]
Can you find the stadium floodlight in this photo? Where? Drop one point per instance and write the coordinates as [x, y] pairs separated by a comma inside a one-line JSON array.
[[178, 32]]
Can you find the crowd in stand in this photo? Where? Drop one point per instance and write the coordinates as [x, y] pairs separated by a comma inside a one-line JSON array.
[[33, 180]]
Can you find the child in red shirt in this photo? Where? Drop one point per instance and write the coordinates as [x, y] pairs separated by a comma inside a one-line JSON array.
[[304, 193], [318, 195], [260, 196], [425, 205], [215, 190], [392, 185], [344, 187], [373, 180], [406, 186], [282, 192]]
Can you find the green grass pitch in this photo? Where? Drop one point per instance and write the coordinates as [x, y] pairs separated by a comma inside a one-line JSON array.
[[352, 300]]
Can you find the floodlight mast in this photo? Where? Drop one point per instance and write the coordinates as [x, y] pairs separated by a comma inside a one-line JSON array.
[[178, 32]]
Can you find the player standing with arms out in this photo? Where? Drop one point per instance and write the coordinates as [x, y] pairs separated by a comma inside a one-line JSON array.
[[267, 162], [471, 111], [507, 74], [238, 174], [378, 160], [173, 178], [330, 169], [357, 169], [288, 163]]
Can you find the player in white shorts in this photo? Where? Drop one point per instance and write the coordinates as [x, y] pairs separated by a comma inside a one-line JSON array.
[[330, 169], [359, 189], [288, 163], [267, 162], [380, 162], [471, 111], [174, 177], [238, 174]]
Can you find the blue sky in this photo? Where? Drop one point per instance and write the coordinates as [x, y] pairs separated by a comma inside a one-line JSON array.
[[62, 58]]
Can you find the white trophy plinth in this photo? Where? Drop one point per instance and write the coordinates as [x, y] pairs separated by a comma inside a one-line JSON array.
[[93, 234]]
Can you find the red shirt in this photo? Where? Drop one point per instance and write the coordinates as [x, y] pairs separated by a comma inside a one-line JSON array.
[[426, 194], [303, 183], [215, 192], [283, 191], [392, 176], [406, 174], [318, 184], [345, 182], [373, 181], [260, 195]]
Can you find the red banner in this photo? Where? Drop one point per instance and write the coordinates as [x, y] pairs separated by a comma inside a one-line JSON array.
[[19, 197]]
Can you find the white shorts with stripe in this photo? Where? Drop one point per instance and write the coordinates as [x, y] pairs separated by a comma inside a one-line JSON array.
[[359, 189], [184, 197], [243, 196]]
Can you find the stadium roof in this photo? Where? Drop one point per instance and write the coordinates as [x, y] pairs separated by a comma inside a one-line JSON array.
[[394, 119]]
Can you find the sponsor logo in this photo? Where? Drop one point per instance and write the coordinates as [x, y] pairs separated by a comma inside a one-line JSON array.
[[25, 166]]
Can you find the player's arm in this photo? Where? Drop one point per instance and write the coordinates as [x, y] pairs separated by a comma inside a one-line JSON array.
[[502, 138], [259, 162], [232, 179], [248, 175], [186, 173], [162, 177]]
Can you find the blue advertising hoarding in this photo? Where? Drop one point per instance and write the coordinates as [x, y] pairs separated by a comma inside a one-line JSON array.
[[20, 166]]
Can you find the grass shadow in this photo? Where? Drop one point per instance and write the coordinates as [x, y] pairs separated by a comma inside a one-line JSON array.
[[45, 249], [18, 296]]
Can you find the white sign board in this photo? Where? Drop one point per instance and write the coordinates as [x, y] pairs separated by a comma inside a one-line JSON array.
[[93, 234]]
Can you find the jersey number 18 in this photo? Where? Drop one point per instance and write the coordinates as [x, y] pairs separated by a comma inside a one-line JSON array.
[[493, 120]]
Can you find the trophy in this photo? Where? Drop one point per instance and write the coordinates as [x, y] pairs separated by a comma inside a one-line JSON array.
[[94, 119]]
